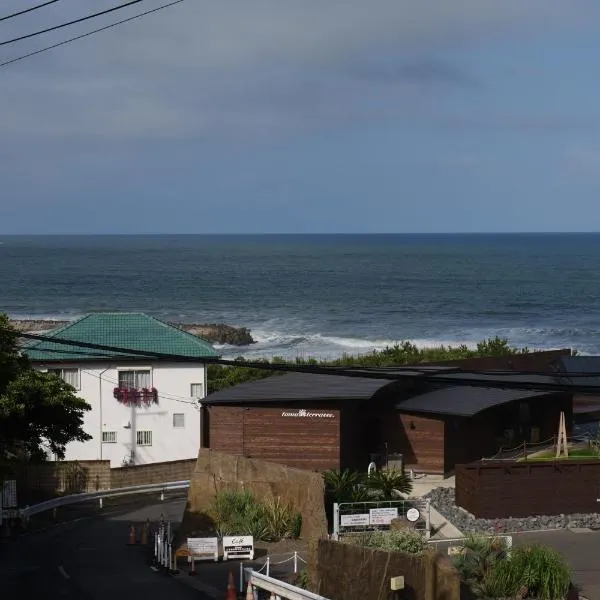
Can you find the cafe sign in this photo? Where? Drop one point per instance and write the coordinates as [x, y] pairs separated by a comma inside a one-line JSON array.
[[306, 414]]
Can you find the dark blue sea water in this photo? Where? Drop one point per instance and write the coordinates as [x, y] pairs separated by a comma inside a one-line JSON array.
[[322, 295]]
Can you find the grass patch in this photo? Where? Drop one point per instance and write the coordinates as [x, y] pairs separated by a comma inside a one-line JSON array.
[[574, 454]]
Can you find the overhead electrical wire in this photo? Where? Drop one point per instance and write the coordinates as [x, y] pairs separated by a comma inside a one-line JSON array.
[[89, 33], [27, 10], [73, 22], [425, 374]]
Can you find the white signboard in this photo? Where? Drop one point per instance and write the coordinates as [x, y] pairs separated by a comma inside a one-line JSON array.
[[412, 514], [9, 494], [382, 516], [238, 546], [203, 549], [355, 520], [307, 414]]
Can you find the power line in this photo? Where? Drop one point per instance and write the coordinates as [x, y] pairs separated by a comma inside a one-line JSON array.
[[553, 382], [84, 35], [73, 22], [31, 9]]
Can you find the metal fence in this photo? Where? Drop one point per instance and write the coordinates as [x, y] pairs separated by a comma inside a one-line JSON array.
[[359, 517], [99, 496]]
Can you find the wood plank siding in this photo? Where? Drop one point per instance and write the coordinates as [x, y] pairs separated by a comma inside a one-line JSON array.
[[424, 442], [274, 434]]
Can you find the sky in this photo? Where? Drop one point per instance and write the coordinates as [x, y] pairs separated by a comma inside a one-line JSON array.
[[312, 116]]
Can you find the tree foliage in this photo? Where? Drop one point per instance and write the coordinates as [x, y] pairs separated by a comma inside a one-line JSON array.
[[39, 412], [404, 353]]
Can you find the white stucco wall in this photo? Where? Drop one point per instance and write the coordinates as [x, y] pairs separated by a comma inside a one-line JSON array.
[[173, 382]]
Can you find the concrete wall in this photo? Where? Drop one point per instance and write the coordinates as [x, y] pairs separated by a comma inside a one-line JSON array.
[[40, 481], [177, 470], [172, 380], [215, 471], [347, 572]]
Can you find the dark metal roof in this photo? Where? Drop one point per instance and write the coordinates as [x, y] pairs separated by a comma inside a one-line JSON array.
[[580, 366], [463, 401], [299, 386]]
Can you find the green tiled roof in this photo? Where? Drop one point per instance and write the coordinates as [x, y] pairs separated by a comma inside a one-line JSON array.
[[134, 331]]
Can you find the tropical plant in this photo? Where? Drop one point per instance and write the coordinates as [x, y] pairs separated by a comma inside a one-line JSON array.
[[342, 486], [278, 518], [531, 572], [477, 558], [388, 485]]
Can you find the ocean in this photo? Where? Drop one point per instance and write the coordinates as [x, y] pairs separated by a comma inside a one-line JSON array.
[[322, 295]]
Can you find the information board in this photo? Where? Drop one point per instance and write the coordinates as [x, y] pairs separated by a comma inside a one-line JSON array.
[[203, 549], [361, 520], [382, 516], [238, 546]]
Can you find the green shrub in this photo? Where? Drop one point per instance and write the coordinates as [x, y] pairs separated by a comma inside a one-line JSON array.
[[531, 571], [296, 526], [240, 513], [528, 572], [409, 541], [229, 509]]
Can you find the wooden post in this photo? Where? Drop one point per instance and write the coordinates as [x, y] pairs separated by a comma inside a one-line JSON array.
[[561, 445]]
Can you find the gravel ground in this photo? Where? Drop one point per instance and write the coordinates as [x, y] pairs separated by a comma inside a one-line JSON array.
[[443, 500]]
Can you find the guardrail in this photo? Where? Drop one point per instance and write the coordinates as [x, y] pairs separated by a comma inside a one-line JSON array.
[[280, 589], [36, 509]]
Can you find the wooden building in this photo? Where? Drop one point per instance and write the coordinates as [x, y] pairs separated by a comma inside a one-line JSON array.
[[320, 422]]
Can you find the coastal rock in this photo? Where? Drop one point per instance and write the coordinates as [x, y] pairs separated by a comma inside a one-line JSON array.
[[215, 333], [219, 333], [444, 501]]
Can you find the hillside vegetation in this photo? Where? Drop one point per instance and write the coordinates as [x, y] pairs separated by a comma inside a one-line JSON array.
[[405, 353]]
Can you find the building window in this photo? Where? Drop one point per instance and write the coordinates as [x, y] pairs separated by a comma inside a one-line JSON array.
[[70, 376], [109, 437], [144, 438], [135, 380], [197, 390], [178, 420]]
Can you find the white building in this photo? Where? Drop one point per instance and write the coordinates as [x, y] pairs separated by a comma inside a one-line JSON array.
[[144, 410]]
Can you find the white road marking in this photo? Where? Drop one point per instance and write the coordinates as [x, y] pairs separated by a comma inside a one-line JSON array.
[[62, 571]]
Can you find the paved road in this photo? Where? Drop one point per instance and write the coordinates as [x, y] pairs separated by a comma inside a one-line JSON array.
[[89, 560]]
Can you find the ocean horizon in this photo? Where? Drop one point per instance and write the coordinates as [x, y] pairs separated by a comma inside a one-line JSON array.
[[321, 295]]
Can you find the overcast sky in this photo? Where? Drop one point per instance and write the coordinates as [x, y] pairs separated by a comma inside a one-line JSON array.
[[303, 116]]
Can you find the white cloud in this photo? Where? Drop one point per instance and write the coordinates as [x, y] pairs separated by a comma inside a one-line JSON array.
[[240, 67]]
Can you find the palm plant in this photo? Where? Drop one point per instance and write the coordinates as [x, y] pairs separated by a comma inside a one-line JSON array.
[[477, 560], [341, 486], [388, 485]]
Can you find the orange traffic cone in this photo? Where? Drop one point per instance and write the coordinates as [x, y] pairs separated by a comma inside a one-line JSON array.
[[249, 592], [132, 540], [145, 530], [231, 589]]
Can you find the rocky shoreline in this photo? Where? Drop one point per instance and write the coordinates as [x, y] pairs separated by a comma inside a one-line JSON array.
[[444, 502], [215, 333]]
